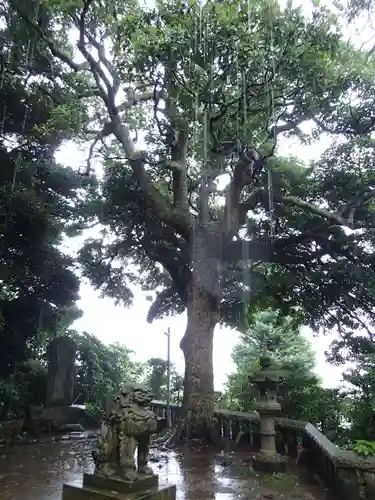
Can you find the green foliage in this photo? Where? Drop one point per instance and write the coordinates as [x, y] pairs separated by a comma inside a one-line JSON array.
[[358, 349], [225, 76], [95, 412], [197, 78], [102, 369], [38, 198], [177, 387], [156, 378], [25, 387], [291, 353], [355, 9], [364, 448], [302, 396], [222, 400]]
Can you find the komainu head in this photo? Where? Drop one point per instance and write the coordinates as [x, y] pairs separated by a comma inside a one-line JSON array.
[[136, 394]]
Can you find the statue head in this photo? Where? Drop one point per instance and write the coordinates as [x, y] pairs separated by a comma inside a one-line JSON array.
[[140, 395]]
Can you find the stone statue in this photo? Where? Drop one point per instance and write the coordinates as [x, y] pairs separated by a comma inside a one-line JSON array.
[[127, 428]]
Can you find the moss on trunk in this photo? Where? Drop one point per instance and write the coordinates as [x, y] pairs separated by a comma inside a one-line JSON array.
[[197, 346]]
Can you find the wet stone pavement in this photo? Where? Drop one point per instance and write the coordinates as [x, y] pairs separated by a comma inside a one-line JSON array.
[[38, 471]]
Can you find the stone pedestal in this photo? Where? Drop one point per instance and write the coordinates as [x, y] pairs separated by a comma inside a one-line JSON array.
[[263, 462], [61, 372], [268, 460], [126, 430], [95, 487]]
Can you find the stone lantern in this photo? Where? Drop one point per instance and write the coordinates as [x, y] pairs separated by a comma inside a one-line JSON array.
[[267, 381]]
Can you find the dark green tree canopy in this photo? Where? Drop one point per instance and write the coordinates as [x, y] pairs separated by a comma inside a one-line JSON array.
[[38, 197]]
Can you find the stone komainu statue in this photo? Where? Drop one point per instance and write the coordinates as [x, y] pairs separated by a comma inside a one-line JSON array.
[[126, 428]]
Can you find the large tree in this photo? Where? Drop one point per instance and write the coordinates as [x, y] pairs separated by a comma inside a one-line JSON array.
[[209, 90], [38, 198]]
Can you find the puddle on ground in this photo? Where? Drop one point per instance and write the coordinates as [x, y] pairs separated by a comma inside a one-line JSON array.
[[38, 470]]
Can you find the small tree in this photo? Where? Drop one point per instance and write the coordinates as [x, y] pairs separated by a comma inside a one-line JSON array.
[[157, 379], [291, 353], [302, 395]]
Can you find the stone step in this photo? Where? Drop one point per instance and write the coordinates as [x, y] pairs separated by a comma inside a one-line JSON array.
[[120, 485], [74, 492], [70, 428]]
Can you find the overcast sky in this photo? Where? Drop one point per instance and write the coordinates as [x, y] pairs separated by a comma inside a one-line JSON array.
[[112, 323]]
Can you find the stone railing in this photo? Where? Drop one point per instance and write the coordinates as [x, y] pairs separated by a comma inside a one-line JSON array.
[[346, 474]]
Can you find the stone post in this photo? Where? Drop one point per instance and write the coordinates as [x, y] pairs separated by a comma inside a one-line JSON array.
[[61, 372], [267, 380]]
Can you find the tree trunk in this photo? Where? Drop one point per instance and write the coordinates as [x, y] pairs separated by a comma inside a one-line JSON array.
[[197, 346]]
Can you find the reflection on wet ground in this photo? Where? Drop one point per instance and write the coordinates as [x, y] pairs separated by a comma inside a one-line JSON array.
[[37, 471]]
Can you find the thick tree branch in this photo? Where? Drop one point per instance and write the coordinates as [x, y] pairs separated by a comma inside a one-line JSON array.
[[134, 98], [163, 249], [355, 317], [243, 175], [56, 51], [250, 204], [349, 127], [330, 216], [177, 219], [178, 141], [344, 218], [116, 82], [178, 160], [361, 199], [107, 94]]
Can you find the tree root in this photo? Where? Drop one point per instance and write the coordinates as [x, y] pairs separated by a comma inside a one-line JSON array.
[[160, 441], [181, 433], [175, 437]]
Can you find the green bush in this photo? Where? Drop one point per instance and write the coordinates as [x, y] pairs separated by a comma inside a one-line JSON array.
[[27, 386], [95, 412], [363, 447]]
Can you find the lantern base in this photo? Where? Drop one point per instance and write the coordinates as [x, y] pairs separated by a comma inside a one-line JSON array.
[[269, 463]]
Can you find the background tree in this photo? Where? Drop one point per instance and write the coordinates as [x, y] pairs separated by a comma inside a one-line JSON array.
[[25, 386], [38, 198], [357, 349], [301, 392], [212, 89], [291, 353], [177, 388], [102, 369], [157, 379]]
